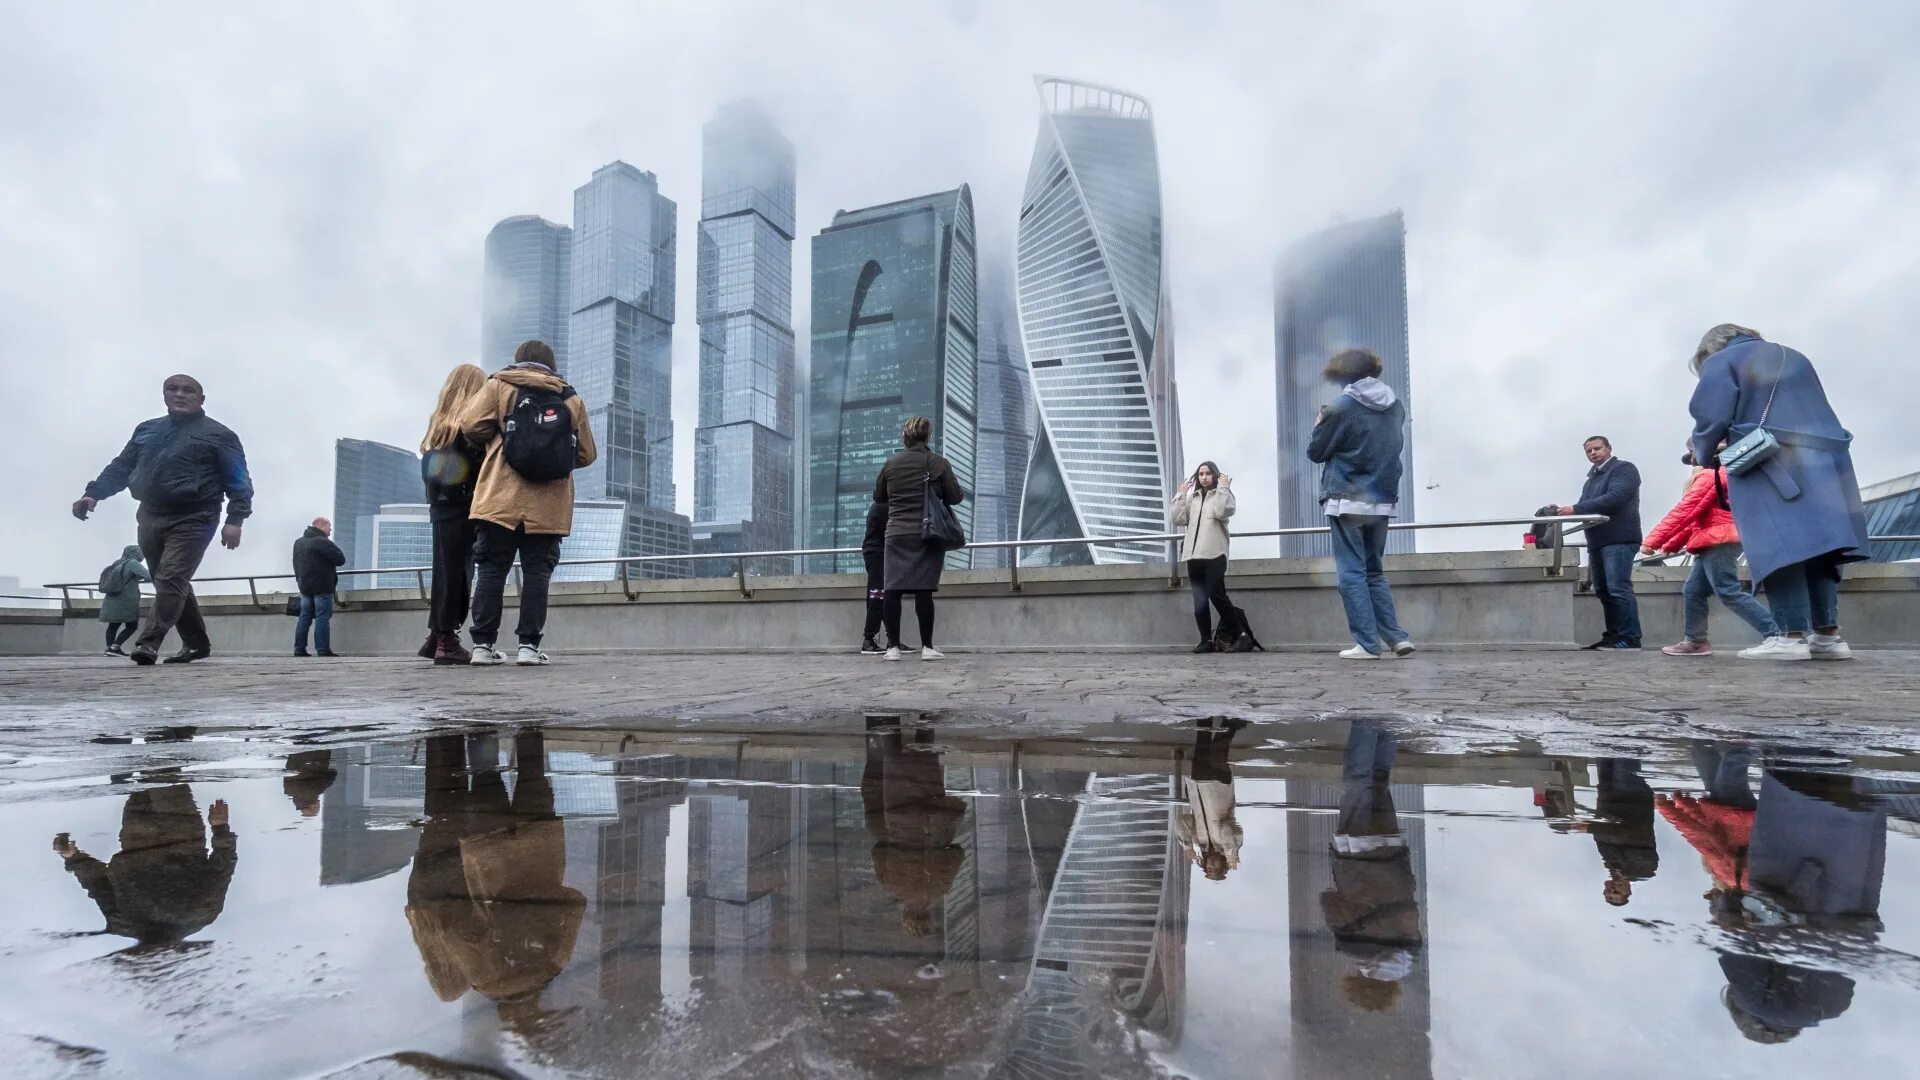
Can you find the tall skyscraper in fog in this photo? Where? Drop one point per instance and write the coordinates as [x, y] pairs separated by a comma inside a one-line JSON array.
[[1097, 328], [895, 334], [620, 350], [1006, 419], [743, 449], [526, 291], [366, 476], [1344, 288]]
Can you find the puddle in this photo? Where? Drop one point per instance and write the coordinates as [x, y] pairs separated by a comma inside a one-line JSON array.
[[1314, 900]]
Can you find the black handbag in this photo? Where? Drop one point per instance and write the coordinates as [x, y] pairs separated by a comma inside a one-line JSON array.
[[293, 604], [938, 525]]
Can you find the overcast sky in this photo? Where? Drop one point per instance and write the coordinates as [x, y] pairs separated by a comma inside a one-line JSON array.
[[292, 207]]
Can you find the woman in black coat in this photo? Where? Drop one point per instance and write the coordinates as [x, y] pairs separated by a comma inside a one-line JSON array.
[[911, 565]]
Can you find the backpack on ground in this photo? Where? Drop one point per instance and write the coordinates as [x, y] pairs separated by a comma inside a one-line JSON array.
[[1235, 634], [538, 440]]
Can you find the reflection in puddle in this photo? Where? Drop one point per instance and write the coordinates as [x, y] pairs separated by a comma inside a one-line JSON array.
[[592, 902]]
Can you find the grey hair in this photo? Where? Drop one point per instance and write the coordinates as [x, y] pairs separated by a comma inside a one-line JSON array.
[[1718, 338]]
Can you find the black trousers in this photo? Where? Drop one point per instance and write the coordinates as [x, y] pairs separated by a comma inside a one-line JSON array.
[[876, 594], [173, 545], [493, 550], [1209, 580], [922, 612], [119, 632], [452, 574]]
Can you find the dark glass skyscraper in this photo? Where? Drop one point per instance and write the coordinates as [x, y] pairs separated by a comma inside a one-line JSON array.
[[1344, 288], [620, 350], [526, 291], [895, 334], [743, 449], [366, 476], [1006, 419]]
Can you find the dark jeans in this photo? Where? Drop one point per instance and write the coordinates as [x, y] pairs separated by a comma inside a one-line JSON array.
[[1612, 568], [173, 545], [876, 595], [119, 632], [452, 575], [493, 550], [1716, 572], [1804, 596], [1208, 577], [317, 612], [1359, 553]]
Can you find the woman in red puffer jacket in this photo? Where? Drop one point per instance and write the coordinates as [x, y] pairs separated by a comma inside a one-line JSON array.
[[1702, 525]]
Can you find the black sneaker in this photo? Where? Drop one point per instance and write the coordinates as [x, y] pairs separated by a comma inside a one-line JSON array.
[[870, 647], [1622, 645], [328, 652], [143, 657], [301, 652], [187, 656], [1206, 646], [1606, 642]]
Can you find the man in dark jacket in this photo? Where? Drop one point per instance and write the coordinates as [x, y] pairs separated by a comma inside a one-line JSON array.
[[873, 553], [170, 879], [178, 466], [1613, 489], [316, 566]]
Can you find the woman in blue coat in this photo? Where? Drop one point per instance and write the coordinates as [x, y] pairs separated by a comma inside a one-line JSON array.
[[1799, 511]]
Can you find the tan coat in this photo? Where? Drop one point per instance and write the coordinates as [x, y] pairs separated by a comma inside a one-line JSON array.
[[1203, 515], [503, 496]]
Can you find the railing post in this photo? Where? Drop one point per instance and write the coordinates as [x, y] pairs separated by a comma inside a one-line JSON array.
[[66, 602], [741, 563], [420, 579], [255, 593], [1173, 564], [626, 579], [1558, 569], [1013, 569]]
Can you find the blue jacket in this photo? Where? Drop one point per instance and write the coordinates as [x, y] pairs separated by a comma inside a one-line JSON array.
[[181, 464], [1615, 492], [1359, 441], [1804, 502]]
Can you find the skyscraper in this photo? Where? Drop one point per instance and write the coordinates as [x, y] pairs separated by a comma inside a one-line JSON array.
[[620, 350], [1343, 288], [366, 476], [1006, 419], [743, 449], [895, 334], [526, 289], [1097, 328]]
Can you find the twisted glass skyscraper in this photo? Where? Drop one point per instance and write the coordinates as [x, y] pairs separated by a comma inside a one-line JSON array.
[[743, 487], [526, 291], [1095, 322]]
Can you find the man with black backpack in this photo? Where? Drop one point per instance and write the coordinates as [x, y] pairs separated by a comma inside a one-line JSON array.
[[534, 428]]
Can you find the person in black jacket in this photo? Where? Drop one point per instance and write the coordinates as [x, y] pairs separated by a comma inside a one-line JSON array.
[[179, 466], [316, 566], [911, 564], [1613, 489], [873, 553]]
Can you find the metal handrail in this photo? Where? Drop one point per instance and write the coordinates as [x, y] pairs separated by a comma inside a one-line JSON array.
[[1575, 522]]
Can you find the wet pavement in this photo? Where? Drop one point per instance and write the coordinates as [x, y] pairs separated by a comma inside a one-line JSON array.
[[896, 893]]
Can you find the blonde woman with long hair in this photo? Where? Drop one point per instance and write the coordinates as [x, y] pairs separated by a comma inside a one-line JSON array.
[[449, 464]]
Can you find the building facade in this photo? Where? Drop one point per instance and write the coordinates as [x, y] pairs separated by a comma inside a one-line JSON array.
[[366, 476], [1097, 329], [744, 446], [895, 334], [526, 290], [1343, 288], [1893, 509], [394, 535], [1006, 420]]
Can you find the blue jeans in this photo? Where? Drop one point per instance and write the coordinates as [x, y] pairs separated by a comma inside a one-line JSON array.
[[1804, 596], [1612, 568], [317, 612], [1716, 572], [1359, 544]]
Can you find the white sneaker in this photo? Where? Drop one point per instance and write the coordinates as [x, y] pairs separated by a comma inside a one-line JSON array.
[[1778, 647], [931, 653], [1403, 648], [486, 656], [893, 653], [1358, 653], [1828, 647], [530, 657]]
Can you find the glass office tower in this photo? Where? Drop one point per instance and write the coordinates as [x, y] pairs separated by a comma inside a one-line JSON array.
[[1893, 509], [1097, 329], [1344, 288], [366, 476], [743, 449], [1006, 419], [526, 289], [895, 334]]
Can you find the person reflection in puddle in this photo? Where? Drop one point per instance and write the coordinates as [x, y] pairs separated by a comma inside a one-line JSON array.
[[912, 819], [1207, 828], [1623, 831], [1373, 907], [485, 899], [167, 882], [309, 774]]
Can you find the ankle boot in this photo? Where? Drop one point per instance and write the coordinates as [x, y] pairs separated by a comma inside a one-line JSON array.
[[426, 651], [448, 650]]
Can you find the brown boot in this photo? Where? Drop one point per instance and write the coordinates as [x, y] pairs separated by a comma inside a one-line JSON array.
[[426, 651], [448, 650]]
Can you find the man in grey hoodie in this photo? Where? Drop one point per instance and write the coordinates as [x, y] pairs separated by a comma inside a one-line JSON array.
[[1359, 439]]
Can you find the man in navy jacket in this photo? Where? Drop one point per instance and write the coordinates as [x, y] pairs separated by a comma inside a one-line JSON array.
[[1613, 489]]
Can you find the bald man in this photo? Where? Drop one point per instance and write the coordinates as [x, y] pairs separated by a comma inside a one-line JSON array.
[[179, 467], [316, 566]]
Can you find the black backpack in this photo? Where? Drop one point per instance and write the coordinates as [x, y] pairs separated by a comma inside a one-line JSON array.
[[538, 439]]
